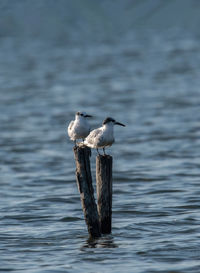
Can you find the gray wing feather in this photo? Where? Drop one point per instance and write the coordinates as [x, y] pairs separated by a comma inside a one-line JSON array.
[[70, 126], [93, 135]]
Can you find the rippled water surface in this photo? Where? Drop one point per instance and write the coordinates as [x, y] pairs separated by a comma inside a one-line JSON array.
[[150, 83]]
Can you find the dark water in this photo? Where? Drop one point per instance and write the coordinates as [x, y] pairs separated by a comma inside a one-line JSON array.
[[151, 83]]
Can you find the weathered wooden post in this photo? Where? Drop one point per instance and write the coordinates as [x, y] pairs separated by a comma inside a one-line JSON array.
[[84, 182], [104, 191]]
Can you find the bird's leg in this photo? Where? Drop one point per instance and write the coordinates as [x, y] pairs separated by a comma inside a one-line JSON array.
[[104, 151], [98, 151], [75, 143]]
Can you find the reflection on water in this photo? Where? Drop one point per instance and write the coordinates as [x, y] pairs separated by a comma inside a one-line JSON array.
[[107, 241]]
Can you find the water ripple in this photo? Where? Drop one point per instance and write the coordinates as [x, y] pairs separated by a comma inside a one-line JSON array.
[[150, 84]]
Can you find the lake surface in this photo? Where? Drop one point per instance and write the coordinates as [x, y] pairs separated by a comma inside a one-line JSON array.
[[150, 82]]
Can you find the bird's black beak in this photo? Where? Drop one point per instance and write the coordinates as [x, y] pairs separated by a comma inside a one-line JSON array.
[[118, 123], [88, 116]]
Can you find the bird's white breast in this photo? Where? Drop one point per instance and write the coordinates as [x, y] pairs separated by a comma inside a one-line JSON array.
[[78, 129]]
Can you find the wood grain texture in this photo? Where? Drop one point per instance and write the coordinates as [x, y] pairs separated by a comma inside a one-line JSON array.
[[104, 192], [84, 183]]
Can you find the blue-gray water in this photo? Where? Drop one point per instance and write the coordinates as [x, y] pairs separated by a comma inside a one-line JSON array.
[[148, 80]]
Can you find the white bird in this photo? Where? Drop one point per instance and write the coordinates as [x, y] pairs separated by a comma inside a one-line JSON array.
[[103, 136], [79, 128]]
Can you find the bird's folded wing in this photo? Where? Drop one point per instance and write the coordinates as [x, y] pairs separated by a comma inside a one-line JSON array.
[[94, 136], [70, 126]]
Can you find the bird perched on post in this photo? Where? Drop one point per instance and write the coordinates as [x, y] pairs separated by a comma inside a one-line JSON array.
[[102, 137], [79, 128]]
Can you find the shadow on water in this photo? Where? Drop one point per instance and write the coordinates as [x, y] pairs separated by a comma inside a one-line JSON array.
[[106, 241]]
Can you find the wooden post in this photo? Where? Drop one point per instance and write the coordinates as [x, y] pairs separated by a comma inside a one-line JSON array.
[[104, 191], [84, 183]]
